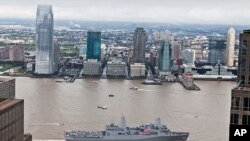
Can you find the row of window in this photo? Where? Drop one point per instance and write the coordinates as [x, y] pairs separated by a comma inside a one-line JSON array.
[[235, 119], [235, 103]]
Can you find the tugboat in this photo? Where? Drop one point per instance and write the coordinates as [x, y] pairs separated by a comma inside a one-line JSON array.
[[113, 132]]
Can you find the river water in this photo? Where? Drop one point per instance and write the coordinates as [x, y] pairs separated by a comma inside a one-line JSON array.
[[52, 107]]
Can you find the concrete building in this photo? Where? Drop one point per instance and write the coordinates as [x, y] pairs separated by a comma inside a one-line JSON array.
[[140, 38], [137, 70], [116, 69], [91, 68], [230, 47], [46, 61], [12, 120], [7, 88], [94, 45], [240, 100], [188, 56]]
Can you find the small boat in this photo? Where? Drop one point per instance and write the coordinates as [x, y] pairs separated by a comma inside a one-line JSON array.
[[111, 95], [102, 107], [133, 88], [59, 81], [152, 82]]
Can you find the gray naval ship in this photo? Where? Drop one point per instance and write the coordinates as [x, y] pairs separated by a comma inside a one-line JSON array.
[[148, 132]]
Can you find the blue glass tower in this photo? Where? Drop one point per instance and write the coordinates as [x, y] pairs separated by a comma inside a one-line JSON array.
[[165, 57], [94, 45]]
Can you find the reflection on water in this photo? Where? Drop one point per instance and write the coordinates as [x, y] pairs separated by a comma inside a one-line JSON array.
[[52, 107]]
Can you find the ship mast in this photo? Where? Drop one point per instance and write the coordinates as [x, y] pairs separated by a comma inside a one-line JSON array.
[[123, 122]]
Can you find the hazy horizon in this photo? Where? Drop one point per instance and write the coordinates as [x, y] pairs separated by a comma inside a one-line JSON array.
[[218, 12]]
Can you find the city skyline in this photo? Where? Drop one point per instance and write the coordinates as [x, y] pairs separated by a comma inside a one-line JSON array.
[[178, 12]]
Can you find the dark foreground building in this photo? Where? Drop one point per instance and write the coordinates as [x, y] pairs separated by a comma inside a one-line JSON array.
[[240, 101], [11, 113]]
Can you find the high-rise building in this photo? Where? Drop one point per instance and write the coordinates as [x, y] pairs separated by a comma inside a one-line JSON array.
[[188, 56], [165, 57], [94, 45], [240, 100], [230, 47], [46, 61], [176, 49], [216, 50], [140, 38]]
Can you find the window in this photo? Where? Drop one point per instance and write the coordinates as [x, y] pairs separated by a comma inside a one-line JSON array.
[[242, 64], [246, 119], [246, 104], [243, 48], [235, 103], [234, 119]]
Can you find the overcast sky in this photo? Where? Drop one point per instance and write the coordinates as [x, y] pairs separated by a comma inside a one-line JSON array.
[[169, 11]]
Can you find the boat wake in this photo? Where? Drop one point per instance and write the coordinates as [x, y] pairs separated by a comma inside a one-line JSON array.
[[47, 124]]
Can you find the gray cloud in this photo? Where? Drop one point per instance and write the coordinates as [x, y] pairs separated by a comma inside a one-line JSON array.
[[170, 11]]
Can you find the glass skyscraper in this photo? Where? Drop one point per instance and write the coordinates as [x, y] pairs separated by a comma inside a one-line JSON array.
[[217, 49], [45, 58], [94, 45], [165, 57], [140, 38]]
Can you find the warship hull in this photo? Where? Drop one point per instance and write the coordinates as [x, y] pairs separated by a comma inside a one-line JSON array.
[[135, 138]]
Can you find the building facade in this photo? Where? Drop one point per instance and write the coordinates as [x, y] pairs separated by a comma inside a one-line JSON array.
[[240, 100], [7, 88], [137, 70], [45, 57], [12, 120], [94, 45], [12, 53], [216, 50], [140, 38], [116, 69], [165, 63], [92, 68], [176, 49], [188, 56], [188, 80], [230, 47]]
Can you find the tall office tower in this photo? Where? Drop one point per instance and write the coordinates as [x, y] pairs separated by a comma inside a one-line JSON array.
[[176, 47], [140, 38], [240, 102], [188, 56], [230, 47], [7, 88], [94, 45], [45, 58], [165, 57], [216, 50]]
